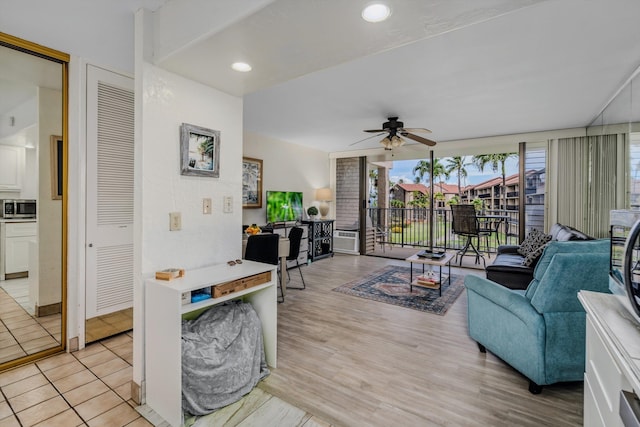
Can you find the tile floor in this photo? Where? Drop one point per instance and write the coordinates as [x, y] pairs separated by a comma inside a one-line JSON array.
[[90, 387], [108, 325], [18, 289], [21, 333]]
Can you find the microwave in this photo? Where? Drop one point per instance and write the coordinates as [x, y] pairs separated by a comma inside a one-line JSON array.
[[18, 209]]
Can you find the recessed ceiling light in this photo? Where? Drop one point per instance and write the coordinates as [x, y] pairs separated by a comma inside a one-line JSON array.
[[376, 12], [243, 67]]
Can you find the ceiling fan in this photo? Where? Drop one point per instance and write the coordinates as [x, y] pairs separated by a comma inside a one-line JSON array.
[[395, 131]]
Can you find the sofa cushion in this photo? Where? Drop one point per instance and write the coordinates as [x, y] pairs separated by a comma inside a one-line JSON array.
[[510, 271], [579, 235], [565, 233], [532, 243], [554, 247], [554, 230], [532, 257]]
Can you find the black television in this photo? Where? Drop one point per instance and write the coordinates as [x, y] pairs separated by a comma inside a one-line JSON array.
[[284, 206]]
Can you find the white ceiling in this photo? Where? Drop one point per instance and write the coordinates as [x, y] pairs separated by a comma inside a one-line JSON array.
[[464, 69]]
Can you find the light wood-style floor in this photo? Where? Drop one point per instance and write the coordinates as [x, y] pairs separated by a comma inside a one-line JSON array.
[[355, 362], [342, 361]]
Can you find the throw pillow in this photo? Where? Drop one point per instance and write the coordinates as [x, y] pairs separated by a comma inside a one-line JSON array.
[[533, 241], [533, 256]]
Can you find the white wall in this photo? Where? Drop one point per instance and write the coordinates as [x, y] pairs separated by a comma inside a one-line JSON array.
[[286, 167], [31, 176], [19, 118], [163, 102], [49, 210], [168, 101]]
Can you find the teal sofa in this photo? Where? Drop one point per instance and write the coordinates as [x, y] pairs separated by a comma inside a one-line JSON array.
[[540, 331]]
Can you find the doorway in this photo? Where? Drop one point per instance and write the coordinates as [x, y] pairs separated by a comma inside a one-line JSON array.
[[109, 213]]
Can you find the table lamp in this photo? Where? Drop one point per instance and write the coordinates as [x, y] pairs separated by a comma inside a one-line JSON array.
[[323, 195]]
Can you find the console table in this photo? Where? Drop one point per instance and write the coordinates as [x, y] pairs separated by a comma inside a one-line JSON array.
[[164, 311], [320, 238]]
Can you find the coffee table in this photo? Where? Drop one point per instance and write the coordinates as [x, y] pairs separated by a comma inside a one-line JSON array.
[[441, 262]]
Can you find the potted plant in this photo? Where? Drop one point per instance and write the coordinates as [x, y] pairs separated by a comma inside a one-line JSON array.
[[312, 211]]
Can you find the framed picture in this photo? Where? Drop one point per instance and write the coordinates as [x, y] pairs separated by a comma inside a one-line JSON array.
[[55, 154], [251, 183], [199, 151]]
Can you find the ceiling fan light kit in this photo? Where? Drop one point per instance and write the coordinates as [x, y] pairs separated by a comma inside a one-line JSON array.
[[392, 142], [376, 12], [395, 130]]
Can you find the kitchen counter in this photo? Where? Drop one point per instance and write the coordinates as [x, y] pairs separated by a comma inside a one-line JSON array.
[[5, 220]]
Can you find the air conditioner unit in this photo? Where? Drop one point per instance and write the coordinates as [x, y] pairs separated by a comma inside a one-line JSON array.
[[346, 242]]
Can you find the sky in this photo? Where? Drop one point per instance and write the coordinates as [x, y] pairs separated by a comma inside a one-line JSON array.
[[404, 169]]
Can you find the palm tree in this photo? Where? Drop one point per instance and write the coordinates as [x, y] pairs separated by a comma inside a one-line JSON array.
[[439, 171], [457, 164], [423, 167], [497, 162]]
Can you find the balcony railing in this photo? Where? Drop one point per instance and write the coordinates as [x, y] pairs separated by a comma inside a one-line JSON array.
[[410, 227]]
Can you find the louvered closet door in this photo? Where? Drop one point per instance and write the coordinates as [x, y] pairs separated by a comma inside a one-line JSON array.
[[110, 150]]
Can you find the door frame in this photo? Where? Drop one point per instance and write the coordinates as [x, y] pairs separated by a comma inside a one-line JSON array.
[[63, 59]]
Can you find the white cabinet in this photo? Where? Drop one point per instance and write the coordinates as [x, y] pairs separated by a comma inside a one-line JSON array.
[[163, 332], [11, 167], [17, 237], [612, 361]]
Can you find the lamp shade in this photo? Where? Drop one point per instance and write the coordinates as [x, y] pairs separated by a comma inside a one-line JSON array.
[[386, 143], [324, 194]]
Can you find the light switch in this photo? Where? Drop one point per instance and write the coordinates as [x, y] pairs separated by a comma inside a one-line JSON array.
[[206, 206], [228, 204], [175, 221]]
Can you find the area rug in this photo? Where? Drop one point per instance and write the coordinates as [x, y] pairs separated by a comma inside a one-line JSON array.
[[390, 285]]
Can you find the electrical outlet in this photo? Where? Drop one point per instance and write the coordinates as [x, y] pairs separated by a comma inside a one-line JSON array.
[[228, 204], [175, 221], [206, 206]]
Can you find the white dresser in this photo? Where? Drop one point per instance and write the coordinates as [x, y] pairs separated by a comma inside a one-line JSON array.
[[612, 358]]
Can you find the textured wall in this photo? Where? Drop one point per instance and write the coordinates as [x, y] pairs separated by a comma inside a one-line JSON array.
[[169, 101]]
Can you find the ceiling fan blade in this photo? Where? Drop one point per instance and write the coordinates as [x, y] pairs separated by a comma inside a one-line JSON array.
[[369, 137], [375, 130], [418, 138], [420, 130]]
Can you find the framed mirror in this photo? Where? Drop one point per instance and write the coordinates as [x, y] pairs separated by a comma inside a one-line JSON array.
[[33, 110]]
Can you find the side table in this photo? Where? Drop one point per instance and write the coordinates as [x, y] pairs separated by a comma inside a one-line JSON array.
[[444, 261], [320, 239]]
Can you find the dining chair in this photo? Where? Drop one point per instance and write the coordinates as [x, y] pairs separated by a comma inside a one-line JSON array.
[[490, 225], [465, 223], [264, 248], [295, 237]]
